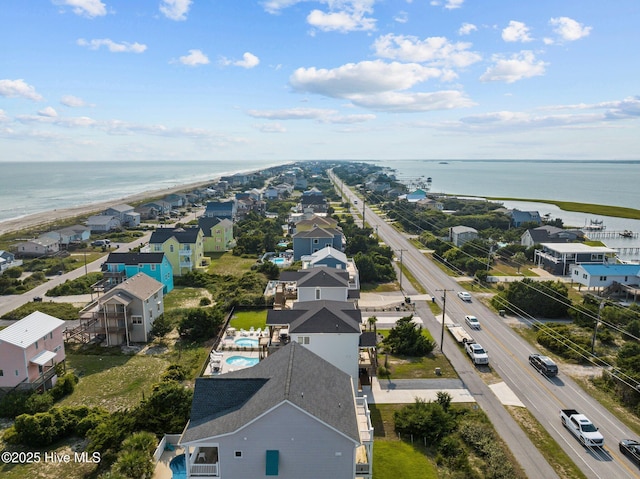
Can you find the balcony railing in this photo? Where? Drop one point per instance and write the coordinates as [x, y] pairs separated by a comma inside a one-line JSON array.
[[204, 470]]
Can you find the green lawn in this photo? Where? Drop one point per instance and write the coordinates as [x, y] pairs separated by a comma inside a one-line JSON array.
[[246, 319], [113, 382], [397, 459]]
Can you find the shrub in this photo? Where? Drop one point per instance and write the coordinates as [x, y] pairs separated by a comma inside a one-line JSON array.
[[39, 402]]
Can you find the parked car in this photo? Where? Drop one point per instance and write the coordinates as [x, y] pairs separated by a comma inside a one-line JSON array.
[[102, 242], [631, 449], [463, 295], [472, 321], [543, 364]]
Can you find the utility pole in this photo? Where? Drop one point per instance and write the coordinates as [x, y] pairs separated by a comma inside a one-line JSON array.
[[444, 309], [364, 206], [595, 329], [401, 251]]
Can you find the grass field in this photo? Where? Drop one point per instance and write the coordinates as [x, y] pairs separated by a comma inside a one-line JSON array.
[[246, 319], [184, 297], [226, 263]]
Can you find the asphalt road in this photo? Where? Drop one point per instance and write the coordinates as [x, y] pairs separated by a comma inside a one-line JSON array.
[[508, 354]]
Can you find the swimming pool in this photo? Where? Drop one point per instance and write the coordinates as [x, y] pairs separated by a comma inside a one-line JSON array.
[[242, 361], [246, 342], [178, 467], [278, 261]]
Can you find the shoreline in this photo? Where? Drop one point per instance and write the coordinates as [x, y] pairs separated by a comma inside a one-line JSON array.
[[51, 216]]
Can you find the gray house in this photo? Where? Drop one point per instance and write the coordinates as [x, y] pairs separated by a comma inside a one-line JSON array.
[[459, 235], [549, 234], [308, 242], [293, 415]]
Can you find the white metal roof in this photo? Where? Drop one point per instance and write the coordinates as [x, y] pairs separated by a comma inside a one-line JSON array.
[[30, 329], [43, 358], [576, 248]]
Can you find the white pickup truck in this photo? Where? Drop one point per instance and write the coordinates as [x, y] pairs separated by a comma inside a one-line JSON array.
[[581, 427], [477, 353]]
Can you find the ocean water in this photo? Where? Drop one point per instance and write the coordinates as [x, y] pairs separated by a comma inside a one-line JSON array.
[[28, 188]]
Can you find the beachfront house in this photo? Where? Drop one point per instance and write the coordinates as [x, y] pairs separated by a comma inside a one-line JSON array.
[[221, 209], [331, 329], [218, 234], [184, 247], [518, 218], [30, 350], [415, 196], [459, 235], [333, 258], [304, 223], [126, 213], [120, 266], [8, 260], [618, 278], [70, 235], [160, 206], [37, 247], [293, 415], [549, 234], [308, 242], [125, 314], [103, 223], [559, 258]]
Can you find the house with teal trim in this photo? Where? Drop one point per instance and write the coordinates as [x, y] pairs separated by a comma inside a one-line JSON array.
[[293, 415], [183, 247], [120, 266], [218, 234]]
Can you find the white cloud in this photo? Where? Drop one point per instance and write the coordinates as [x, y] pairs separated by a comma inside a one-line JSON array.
[[18, 88], [394, 101], [87, 8], [271, 128], [569, 29], [194, 58], [432, 50], [519, 66], [342, 21], [448, 4], [249, 60], [175, 9], [292, 114], [73, 101], [49, 112], [351, 119], [274, 6], [467, 28], [4, 118], [401, 17], [516, 32], [123, 47]]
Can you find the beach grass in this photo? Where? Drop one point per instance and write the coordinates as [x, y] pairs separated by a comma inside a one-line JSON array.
[[227, 263], [185, 297], [399, 459]]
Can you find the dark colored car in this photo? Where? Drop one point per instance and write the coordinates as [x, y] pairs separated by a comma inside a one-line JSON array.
[[543, 364], [631, 449]]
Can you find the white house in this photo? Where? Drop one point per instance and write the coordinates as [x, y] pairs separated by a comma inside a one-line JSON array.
[[103, 223], [38, 247], [601, 276]]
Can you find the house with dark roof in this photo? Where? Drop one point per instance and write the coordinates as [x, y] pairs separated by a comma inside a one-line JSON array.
[[330, 257], [184, 247], [315, 203], [293, 415], [160, 206], [120, 266], [310, 241], [125, 314], [549, 234], [221, 209], [519, 217], [331, 329], [218, 234], [559, 258]]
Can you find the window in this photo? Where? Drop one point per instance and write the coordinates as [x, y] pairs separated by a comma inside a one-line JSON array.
[[316, 240], [171, 248], [153, 267], [603, 278], [136, 319], [1, 373], [303, 339], [36, 344], [318, 293], [51, 335], [17, 373], [237, 454]]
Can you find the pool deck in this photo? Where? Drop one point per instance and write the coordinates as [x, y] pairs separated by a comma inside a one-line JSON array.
[[163, 471], [227, 348]]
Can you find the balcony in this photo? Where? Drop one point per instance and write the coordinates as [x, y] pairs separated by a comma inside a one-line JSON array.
[[203, 462]]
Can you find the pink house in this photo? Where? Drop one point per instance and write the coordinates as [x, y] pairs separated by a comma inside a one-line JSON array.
[[29, 351]]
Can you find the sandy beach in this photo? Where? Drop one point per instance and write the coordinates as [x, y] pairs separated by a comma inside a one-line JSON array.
[[43, 218]]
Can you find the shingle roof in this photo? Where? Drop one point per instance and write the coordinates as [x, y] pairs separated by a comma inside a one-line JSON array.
[[317, 277], [135, 258], [321, 316], [327, 252], [226, 403], [206, 223], [29, 329], [315, 233], [140, 285], [184, 236]]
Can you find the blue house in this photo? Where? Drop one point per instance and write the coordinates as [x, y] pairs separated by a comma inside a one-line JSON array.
[[519, 217], [308, 242], [221, 209], [121, 266]]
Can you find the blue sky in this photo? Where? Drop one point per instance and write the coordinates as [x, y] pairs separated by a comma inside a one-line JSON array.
[[122, 80]]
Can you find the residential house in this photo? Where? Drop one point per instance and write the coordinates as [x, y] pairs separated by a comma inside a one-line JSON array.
[[37, 247], [331, 329], [271, 193], [316, 284], [308, 242], [221, 209], [70, 235], [314, 221], [176, 200], [377, 186], [147, 212], [125, 314], [103, 223], [125, 213], [162, 207], [415, 196], [30, 349], [604, 276], [520, 217], [430, 204], [249, 205], [8, 260], [184, 247], [285, 189], [559, 258], [459, 235], [218, 234], [333, 258], [300, 183], [549, 234], [120, 266], [293, 415]]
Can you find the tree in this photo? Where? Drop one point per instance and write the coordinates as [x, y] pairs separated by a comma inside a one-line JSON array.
[[424, 419], [372, 323], [519, 259], [200, 324], [166, 410], [406, 338], [134, 464]]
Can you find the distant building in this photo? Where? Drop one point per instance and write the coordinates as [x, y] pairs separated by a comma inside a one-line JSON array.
[[38, 247], [459, 235], [602, 276], [218, 234], [103, 223], [518, 218], [549, 234], [221, 209], [125, 213], [559, 258], [308, 242]]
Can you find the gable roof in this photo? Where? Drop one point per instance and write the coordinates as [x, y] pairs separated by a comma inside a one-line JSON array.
[[140, 285], [29, 329], [317, 277], [208, 222], [182, 235], [123, 208], [226, 403], [322, 316], [100, 219], [328, 252], [316, 233], [135, 258]]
